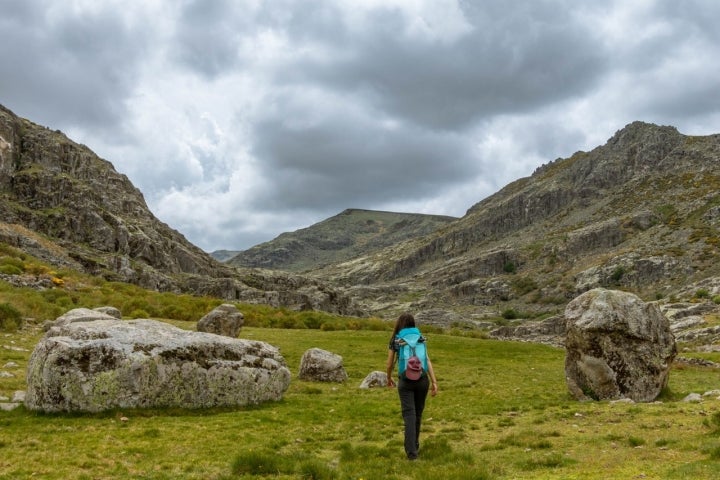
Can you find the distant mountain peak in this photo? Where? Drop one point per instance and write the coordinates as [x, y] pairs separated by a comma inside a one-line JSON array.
[[351, 233]]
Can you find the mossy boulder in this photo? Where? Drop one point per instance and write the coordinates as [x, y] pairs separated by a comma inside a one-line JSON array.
[[105, 364]]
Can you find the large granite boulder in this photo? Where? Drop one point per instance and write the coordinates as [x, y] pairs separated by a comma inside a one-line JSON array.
[[617, 347], [105, 364], [322, 366], [223, 320]]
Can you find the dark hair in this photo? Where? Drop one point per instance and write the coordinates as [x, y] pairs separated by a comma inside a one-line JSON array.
[[404, 321]]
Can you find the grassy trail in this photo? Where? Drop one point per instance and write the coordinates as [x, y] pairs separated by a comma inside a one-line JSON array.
[[503, 412]]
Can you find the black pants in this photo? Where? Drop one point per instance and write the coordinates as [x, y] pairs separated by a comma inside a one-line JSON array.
[[412, 403]]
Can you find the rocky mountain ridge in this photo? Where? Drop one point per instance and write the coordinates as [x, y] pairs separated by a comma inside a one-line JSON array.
[[349, 234], [640, 213]]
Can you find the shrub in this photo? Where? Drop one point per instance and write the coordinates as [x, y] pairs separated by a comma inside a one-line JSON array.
[[617, 274], [10, 270], [524, 285], [139, 313], [509, 267], [10, 318], [15, 262], [702, 293], [510, 314], [6, 249]]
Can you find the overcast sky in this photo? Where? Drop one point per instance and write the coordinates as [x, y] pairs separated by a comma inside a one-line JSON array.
[[243, 119]]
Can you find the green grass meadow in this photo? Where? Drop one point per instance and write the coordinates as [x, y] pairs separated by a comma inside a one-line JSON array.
[[503, 412]]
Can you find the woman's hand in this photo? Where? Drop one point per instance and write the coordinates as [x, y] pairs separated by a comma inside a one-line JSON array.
[[390, 382], [433, 389]]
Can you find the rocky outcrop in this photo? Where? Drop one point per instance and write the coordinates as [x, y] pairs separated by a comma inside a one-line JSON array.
[[64, 191], [631, 270], [224, 320], [317, 365], [550, 331], [617, 346], [105, 364]]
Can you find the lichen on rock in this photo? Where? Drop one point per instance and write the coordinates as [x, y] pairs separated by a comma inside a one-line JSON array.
[[105, 364]]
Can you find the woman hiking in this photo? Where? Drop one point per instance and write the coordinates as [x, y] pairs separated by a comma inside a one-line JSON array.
[[415, 377]]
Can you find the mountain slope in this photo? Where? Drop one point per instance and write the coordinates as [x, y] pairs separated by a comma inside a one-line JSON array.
[[640, 212], [63, 190], [61, 202], [349, 234]]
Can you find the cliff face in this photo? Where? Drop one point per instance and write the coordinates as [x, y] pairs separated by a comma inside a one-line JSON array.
[[640, 212]]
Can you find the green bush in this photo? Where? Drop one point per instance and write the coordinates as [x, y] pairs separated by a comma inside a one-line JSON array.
[[10, 270], [702, 293], [523, 285], [617, 274], [510, 314], [6, 249], [15, 262], [10, 318], [139, 313]]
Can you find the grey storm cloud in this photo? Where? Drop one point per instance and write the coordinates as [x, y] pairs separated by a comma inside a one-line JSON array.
[[343, 160], [69, 70], [208, 35], [496, 67], [242, 119]]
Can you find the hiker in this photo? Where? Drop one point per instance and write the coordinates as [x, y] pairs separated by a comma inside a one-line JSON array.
[[407, 346]]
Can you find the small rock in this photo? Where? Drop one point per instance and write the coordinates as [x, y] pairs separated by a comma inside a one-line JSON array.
[[693, 398], [224, 320], [375, 379], [322, 366]]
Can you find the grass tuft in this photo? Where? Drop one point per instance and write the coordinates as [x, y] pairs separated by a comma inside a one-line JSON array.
[[258, 463]]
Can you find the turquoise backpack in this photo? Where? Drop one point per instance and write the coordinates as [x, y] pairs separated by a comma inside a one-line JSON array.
[[410, 343]]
